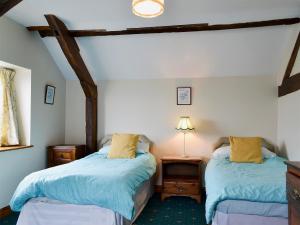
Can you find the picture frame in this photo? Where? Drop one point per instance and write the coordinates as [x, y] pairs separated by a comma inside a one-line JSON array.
[[49, 94], [184, 96]]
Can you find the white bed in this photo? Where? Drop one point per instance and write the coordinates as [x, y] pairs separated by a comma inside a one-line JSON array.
[[44, 211]]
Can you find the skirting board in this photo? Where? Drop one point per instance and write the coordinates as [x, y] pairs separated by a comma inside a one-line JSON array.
[[5, 212]]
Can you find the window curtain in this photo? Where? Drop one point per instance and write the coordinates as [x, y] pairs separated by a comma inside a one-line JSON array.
[[9, 134]]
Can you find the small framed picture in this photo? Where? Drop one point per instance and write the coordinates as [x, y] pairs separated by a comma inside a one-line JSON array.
[[184, 96], [49, 94]]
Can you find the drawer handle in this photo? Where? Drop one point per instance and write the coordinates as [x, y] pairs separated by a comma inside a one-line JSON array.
[[180, 189], [296, 194], [62, 156]]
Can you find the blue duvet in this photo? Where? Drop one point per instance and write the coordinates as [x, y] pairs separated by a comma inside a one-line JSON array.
[[226, 180], [93, 180]]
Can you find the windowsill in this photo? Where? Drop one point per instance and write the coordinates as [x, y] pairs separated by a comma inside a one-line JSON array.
[[15, 147]]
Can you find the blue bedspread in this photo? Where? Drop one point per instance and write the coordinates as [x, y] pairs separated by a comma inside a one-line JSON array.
[[93, 180], [226, 180]]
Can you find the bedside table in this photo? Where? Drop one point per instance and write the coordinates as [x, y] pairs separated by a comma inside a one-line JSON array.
[[181, 177], [61, 154]]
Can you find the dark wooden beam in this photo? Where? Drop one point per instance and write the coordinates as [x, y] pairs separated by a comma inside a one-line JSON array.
[[72, 53], [290, 85], [47, 32], [292, 60], [6, 5]]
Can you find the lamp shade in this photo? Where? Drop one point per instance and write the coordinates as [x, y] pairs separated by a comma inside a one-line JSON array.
[[184, 123], [148, 8]]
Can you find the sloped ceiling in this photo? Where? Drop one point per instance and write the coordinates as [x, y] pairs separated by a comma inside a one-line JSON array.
[[246, 52]]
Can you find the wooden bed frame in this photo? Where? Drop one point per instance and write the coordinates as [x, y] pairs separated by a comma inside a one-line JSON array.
[[224, 141]]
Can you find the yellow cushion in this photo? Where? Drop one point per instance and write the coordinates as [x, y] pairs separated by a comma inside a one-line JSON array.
[[123, 146], [247, 150]]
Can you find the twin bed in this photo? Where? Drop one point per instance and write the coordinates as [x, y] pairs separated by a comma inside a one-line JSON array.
[[246, 193], [100, 191], [92, 191]]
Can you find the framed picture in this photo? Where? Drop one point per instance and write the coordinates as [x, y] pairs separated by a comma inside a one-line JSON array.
[[49, 94], [184, 96]]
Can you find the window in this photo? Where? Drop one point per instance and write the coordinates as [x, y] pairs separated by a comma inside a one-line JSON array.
[[15, 107]]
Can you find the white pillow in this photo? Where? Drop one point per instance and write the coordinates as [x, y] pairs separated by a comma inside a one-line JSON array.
[[224, 152], [141, 148], [267, 153], [105, 149]]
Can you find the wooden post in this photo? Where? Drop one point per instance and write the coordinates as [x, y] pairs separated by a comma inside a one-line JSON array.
[[290, 83], [72, 53]]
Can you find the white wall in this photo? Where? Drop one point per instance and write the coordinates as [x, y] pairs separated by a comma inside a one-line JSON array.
[[25, 49], [245, 106], [289, 125]]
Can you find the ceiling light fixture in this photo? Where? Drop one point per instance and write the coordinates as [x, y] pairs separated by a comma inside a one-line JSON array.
[[148, 8]]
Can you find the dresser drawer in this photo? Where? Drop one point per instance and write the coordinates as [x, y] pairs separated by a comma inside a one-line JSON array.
[[181, 188], [293, 191]]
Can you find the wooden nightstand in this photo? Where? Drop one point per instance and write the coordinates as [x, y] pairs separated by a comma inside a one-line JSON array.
[[293, 191], [61, 154], [181, 177]]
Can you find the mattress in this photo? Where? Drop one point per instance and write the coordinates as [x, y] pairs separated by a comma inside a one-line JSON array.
[[44, 211], [253, 208], [242, 219]]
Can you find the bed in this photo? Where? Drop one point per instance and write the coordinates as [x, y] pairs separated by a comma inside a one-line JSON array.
[[246, 193], [90, 191]]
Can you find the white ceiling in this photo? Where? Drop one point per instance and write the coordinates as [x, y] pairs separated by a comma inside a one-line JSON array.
[[244, 52]]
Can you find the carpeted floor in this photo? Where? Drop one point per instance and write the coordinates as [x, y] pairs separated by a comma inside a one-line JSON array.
[[175, 211]]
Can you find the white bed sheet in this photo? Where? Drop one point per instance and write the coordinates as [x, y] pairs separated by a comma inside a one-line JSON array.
[[42, 211]]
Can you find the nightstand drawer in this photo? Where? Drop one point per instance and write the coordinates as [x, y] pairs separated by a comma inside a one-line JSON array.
[[181, 188], [59, 155], [293, 191]]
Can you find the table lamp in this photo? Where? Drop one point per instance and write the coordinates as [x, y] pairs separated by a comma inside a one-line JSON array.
[[184, 125]]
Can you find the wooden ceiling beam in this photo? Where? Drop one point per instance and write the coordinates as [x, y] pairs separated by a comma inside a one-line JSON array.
[[6, 5], [72, 53], [47, 32]]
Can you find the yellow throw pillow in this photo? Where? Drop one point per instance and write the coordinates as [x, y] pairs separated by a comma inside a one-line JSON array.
[[123, 146], [246, 150]]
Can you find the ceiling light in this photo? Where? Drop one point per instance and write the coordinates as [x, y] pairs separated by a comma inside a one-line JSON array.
[[148, 8]]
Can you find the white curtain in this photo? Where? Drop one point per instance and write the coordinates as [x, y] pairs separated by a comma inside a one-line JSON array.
[[9, 134]]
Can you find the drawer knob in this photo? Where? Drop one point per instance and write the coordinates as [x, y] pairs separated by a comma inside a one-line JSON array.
[[180, 190], [62, 156], [296, 194]]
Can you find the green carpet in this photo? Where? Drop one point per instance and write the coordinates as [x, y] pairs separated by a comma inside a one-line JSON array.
[[175, 211]]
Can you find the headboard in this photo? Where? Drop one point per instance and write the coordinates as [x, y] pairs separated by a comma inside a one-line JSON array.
[[224, 141], [142, 140]]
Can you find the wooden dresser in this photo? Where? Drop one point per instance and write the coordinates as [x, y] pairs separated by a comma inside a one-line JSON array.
[[293, 191], [181, 177], [61, 154]]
